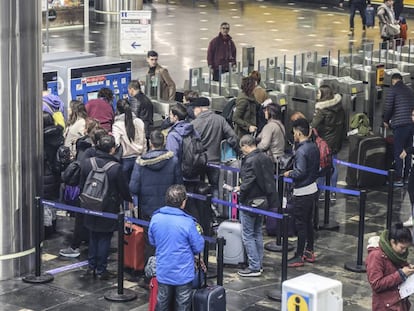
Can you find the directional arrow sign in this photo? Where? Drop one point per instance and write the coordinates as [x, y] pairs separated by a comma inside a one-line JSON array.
[[135, 32]]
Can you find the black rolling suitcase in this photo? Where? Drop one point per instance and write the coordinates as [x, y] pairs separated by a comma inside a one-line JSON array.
[[368, 151]]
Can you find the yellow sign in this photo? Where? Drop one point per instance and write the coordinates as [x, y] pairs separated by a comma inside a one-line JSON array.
[[296, 302]]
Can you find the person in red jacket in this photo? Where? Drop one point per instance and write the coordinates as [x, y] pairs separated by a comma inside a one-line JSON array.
[[387, 268], [101, 108], [221, 51]]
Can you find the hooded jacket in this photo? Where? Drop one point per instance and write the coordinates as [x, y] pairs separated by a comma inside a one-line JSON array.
[[129, 148], [153, 173], [399, 105], [175, 137], [52, 103], [329, 120], [176, 239], [384, 278], [102, 111]]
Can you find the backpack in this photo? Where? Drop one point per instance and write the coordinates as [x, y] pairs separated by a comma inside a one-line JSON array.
[[228, 111], [193, 157], [57, 115], [63, 158], [95, 193], [71, 175], [325, 154]]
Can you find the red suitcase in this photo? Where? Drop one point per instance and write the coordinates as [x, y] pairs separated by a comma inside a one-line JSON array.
[[134, 248], [153, 291]]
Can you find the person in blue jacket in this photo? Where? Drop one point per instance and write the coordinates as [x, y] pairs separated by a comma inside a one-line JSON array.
[[175, 236]]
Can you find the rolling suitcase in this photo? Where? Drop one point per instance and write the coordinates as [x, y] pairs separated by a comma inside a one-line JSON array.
[[370, 16], [228, 179], [231, 231], [210, 298], [153, 292], [134, 248], [368, 151]]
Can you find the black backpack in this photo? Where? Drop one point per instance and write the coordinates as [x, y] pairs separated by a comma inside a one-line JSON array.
[[228, 111], [95, 193], [193, 157]]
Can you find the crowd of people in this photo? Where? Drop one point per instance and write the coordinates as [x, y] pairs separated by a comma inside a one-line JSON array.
[[147, 168]]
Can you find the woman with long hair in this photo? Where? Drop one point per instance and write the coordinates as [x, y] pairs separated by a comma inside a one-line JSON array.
[[129, 132], [75, 125]]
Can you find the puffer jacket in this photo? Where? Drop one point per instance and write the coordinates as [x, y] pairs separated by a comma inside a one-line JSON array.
[[245, 114], [399, 105], [384, 278], [306, 164], [153, 173], [176, 239], [329, 120]]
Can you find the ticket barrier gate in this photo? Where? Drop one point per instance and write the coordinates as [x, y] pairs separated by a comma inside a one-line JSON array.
[[82, 79], [304, 100], [353, 96], [50, 76]]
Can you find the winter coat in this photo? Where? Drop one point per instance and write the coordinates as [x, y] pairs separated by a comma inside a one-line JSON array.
[[72, 133], [245, 114], [153, 173], [118, 190], [213, 128], [272, 139], [305, 165], [143, 108], [176, 239], [257, 180], [129, 148], [386, 16], [329, 120], [53, 139], [102, 111], [175, 137], [52, 103], [221, 51], [167, 85], [399, 105], [384, 278]]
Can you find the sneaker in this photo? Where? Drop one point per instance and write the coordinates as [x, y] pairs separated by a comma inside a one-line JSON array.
[[409, 222], [247, 272], [295, 262], [309, 256], [333, 196], [322, 196], [69, 252], [106, 275], [398, 183]]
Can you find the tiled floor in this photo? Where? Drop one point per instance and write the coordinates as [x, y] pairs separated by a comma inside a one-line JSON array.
[[181, 34]]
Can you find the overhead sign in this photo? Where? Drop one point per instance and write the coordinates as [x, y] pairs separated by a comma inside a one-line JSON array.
[[135, 32]]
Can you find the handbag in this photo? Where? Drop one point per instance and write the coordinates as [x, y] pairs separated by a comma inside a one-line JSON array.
[[393, 29]]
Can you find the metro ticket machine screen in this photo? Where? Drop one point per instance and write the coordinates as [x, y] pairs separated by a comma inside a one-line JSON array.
[[51, 78], [87, 81]]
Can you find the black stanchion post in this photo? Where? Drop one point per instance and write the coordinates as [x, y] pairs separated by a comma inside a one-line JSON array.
[[220, 260], [327, 225], [391, 177], [359, 265], [38, 278], [276, 245], [120, 294], [277, 293]]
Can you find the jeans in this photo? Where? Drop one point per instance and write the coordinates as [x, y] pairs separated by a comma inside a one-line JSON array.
[[403, 138], [213, 175], [303, 207], [99, 244], [252, 237], [334, 176], [360, 6], [182, 295]]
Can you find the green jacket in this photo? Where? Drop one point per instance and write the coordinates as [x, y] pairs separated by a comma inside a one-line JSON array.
[[245, 114]]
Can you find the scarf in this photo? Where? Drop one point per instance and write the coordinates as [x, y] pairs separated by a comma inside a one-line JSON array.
[[397, 259]]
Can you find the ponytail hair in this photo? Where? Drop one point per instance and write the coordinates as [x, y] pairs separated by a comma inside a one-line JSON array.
[[123, 106]]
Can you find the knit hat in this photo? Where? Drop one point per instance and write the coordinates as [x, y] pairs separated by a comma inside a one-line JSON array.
[[200, 102]]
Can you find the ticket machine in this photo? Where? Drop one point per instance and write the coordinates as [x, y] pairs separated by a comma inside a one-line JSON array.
[[82, 79], [51, 78]]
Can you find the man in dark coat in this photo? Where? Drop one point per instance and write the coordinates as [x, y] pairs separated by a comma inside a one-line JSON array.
[[221, 51], [101, 229], [399, 104], [356, 5], [257, 182]]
